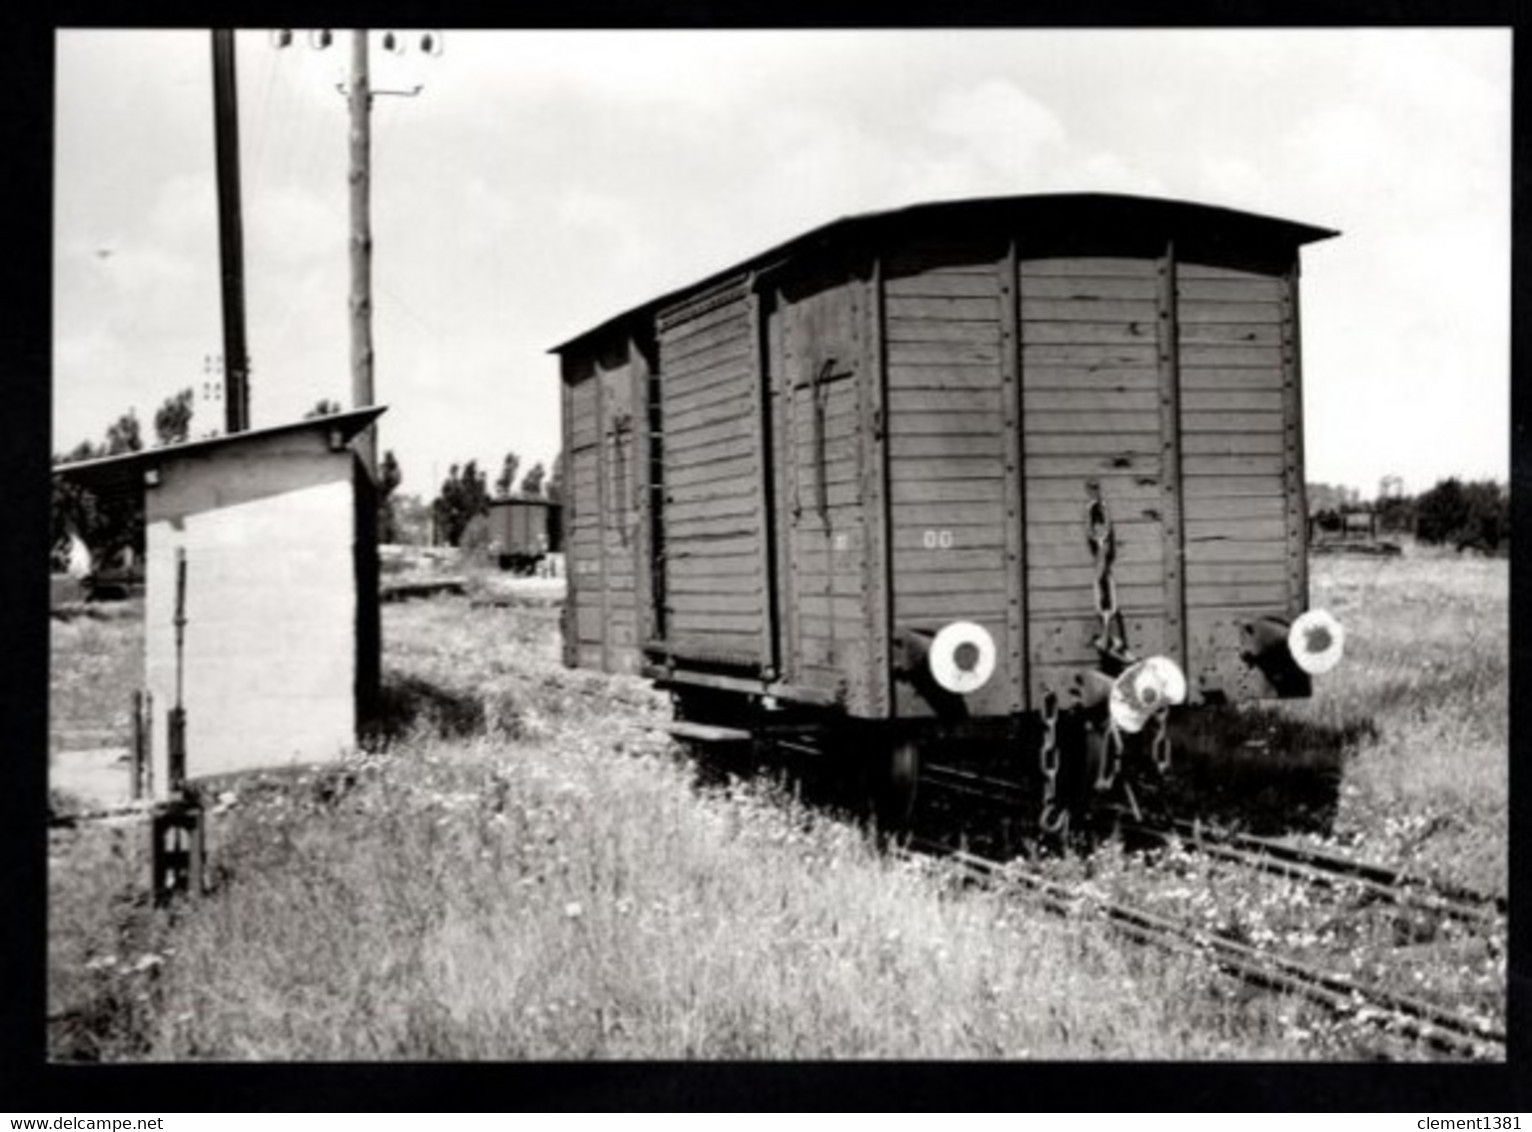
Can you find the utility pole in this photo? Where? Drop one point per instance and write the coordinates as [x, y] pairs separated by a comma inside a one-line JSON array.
[[359, 102], [360, 99], [231, 253]]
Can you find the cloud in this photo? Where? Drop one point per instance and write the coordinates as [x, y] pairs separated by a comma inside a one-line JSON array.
[[294, 226], [999, 127]]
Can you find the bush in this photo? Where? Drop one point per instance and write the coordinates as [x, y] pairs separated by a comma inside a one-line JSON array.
[[1396, 513], [1473, 515]]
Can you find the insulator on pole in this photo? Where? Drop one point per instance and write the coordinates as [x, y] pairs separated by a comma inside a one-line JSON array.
[[431, 43], [391, 43], [322, 38]]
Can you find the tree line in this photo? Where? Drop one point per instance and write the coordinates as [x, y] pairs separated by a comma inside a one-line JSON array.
[[465, 496], [1462, 514]]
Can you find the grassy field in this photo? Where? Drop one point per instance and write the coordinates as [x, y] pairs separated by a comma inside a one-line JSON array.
[[526, 870]]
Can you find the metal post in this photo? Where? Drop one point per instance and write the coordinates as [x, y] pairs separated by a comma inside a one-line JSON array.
[[148, 767], [177, 749], [361, 245], [230, 233], [178, 850], [136, 769]]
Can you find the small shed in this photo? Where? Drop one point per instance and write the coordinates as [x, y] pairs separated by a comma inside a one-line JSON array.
[[523, 529], [279, 656]]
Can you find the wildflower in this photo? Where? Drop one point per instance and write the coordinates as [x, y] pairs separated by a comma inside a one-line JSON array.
[[573, 910]]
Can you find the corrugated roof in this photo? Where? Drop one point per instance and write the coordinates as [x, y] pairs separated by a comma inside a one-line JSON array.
[[1043, 209], [123, 472]]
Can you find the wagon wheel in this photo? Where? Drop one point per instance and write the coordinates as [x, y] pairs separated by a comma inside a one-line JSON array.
[[896, 776]]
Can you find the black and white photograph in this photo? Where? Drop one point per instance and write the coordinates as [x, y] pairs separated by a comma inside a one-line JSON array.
[[780, 545]]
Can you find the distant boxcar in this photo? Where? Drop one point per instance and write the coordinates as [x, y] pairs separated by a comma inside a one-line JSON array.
[[789, 478], [524, 530]]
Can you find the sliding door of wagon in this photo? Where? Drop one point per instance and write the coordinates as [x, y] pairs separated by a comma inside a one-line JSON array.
[[1090, 330], [712, 518]]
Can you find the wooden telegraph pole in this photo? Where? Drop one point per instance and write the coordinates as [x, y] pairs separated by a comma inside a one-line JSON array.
[[359, 102], [360, 99], [231, 253]]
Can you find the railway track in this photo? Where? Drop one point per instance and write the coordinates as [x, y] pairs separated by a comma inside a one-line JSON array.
[[1263, 854], [1417, 1018], [1319, 867]]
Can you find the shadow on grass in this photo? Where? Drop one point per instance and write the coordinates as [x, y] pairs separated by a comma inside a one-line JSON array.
[[1261, 770], [409, 705], [1255, 769]]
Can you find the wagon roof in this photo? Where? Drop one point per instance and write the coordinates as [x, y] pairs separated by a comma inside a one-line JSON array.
[[1173, 217]]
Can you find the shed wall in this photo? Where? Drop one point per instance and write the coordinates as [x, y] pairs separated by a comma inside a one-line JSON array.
[[273, 614]]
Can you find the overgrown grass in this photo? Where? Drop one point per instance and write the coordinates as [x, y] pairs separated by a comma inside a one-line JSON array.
[[1402, 753], [1427, 664], [98, 660], [544, 881], [567, 900], [523, 870]]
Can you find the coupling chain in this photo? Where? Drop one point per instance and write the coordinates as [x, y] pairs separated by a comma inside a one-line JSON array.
[[1111, 756], [1054, 818], [1159, 743], [1102, 538]]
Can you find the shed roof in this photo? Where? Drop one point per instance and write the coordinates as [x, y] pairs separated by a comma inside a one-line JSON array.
[[1176, 219], [123, 473]]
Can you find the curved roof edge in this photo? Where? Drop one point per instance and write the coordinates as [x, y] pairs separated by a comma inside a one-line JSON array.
[[1171, 213]]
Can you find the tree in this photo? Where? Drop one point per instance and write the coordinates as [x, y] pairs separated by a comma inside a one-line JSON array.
[[107, 526], [172, 420], [1463, 515], [1396, 513], [507, 477], [323, 408], [532, 482], [464, 494], [124, 435], [554, 488], [73, 507], [389, 478]]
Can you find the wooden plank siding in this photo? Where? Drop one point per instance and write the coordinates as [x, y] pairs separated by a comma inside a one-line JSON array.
[[779, 474], [949, 339], [1092, 373], [818, 358], [711, 518], [1243, 493], [586, 644], [616, 403]]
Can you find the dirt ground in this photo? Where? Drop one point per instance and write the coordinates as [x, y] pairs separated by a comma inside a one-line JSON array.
[[97, 776]]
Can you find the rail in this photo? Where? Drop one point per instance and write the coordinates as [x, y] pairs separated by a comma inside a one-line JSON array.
[[1340, 993]]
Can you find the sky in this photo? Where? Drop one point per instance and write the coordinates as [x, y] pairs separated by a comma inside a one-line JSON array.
[[543, 181]]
